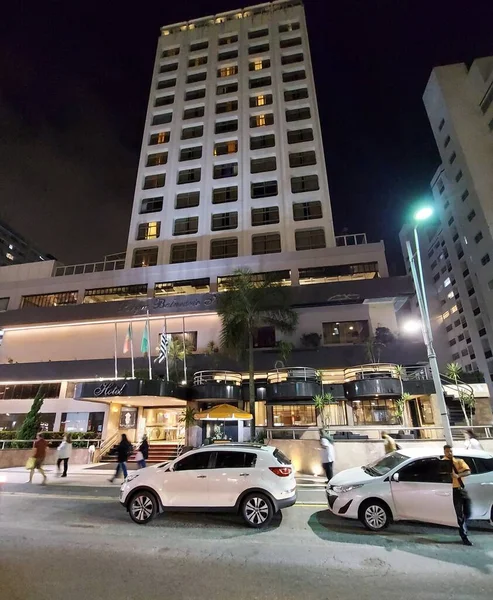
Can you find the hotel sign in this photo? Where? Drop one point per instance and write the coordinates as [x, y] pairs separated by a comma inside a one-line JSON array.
[[172, 304], [110, 388]]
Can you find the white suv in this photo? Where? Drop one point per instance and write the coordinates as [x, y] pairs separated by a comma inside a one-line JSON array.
[[255, 481]]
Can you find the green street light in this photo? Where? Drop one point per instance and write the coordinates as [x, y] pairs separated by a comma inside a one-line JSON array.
[[423, 213]]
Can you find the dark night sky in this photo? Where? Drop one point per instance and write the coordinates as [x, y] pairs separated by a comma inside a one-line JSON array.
[[74, 83]]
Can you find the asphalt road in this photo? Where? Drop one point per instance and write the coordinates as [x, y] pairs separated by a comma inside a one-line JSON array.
[[78, 543]]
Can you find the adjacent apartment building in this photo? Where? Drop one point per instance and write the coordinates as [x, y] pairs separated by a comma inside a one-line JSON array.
[[16, 250]]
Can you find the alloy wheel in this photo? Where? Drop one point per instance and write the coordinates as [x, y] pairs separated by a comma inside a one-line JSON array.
[[375, 516], [142, 508], [256, 510]]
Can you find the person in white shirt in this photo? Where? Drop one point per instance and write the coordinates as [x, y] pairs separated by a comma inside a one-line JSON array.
[[328, 454], [64, 453], [472, 442]]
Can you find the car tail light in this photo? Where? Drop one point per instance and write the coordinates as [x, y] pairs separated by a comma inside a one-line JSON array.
[[281, 471]]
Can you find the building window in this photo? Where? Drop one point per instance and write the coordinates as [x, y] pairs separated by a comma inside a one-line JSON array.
[[225, 248], [441, 124], [262, 165], [375, 412], [459, 176], [186, 226], [187, 200], [487, 100], [188, 133], [290, 59], [197, 61], [471, 215], [226, 126], [264, 189], [196, 77], [294, 415], [227, 170], [306, 211], [150, 205], [290, 42], [485, 259], [221, 221], [195, 94], [450, 221], [111, 294], [170, 52], [229, 39], [259, 82], [44, 300], [478, 237], [265, 216], [260, 100], [229, 88], [169, 68], [177, 288], [193, 113], [183, 253], [441, 187], [300, 135], [298, 94], [199, 46], [145, 257], [306, 183], [160, 158], [446, 142], [154, 181], [312, 275], [259, 64], [149, 231], [270, 243], [190, 153], [302, 159], [289, 27], [225, 107], [298, 114], [189, 176], [293, 76], [452, 158], [162, 119], [159, 138], [258, 49], [166, 83], [4, 302], [261, 120], [229, 147], [164, 101], [465, 195], [309, 239], [262, 141], [258, 33], [227, 71], [345, 332], [225, 194]]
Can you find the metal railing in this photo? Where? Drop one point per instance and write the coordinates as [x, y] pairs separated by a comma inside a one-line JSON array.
[[293, 373], [104, 447], [14, 444], [96, 267], [352, 239], [225, 377]]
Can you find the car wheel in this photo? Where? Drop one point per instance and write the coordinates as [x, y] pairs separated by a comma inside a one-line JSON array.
[[142, 507], [257, 510], [375, 515]]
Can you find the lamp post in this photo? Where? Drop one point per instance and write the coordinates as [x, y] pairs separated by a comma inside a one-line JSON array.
[[419, 284]]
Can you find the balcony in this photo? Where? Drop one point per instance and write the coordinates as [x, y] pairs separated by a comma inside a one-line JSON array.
[[353, 239], [217, 386], [293, 383]]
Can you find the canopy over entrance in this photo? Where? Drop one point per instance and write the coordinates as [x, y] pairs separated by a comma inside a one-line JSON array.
[[224, 412]]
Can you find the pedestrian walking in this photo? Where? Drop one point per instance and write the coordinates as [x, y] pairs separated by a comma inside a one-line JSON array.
[[142, 453], [389, 443], [123, 450], [472, 442], [328, 454], [38, 457], [64, 453], [462, 503]]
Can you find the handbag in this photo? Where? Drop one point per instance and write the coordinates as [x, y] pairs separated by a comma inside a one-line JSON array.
[[139, 456], [31, 463]]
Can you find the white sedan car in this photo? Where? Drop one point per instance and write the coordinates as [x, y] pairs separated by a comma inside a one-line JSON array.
[[413, 485], [254, 481]]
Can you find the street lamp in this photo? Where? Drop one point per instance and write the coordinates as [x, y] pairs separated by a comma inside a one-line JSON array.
[[419, 283]]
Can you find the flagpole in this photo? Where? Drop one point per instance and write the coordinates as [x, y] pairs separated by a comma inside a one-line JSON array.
[[167, 353], [149, 344], [116, 358], [184, 350], [132, 350]]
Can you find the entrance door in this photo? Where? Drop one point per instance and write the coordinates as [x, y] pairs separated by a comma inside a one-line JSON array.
[[188, 483]]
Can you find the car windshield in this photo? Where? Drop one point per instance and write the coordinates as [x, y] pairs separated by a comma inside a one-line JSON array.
[[383, 465]]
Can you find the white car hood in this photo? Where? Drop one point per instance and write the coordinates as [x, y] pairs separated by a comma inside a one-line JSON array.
[[352, 477]]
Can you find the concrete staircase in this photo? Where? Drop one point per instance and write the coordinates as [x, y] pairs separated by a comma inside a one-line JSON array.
[[158, 453]]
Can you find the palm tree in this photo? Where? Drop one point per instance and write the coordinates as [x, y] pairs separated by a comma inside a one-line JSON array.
[[248, 304], [177, 353], [322, 401], [454, 371]]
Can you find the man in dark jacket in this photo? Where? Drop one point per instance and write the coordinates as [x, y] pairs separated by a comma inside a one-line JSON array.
[[123, 450], [144, 450]]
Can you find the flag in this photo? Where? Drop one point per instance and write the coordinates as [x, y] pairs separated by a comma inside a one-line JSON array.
[[128, 339], [163, 347], [144, 346]]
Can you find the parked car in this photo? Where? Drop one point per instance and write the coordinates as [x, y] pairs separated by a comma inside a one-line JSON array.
[[254, 481], [411, 484]]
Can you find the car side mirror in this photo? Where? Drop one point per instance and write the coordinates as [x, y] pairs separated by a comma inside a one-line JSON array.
[[395, 477]]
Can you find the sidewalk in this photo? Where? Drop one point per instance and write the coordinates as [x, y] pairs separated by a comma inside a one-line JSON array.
[[97, 475]]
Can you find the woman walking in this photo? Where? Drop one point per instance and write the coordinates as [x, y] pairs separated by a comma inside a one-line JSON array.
[[143, 452], [472, 442], [64, 453], [124, 450], [328, 456]]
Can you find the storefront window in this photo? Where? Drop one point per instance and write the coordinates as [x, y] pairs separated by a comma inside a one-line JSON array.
[[294, 415], [164, 424], [345, 332], [336, 413], [82, 422], [375, 412]]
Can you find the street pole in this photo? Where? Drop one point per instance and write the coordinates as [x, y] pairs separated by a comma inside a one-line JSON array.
[[419, 284]]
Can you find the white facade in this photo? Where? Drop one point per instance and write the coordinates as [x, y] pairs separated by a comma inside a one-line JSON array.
[[247, 72]]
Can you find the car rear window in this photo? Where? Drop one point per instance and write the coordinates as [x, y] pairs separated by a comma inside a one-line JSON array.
[[281, 457]]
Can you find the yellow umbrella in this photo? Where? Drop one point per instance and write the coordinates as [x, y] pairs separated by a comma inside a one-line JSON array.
[[223, 412]]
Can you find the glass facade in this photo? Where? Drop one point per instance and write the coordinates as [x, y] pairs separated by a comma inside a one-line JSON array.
[[294, 415], [375, 412]]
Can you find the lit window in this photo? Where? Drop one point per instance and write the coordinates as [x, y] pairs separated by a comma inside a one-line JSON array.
[[162, 137], [446, 315], [257, 65], [261, 100], [9, 256], [450, 295], [446, 282], [149, 231], [454, 309]]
